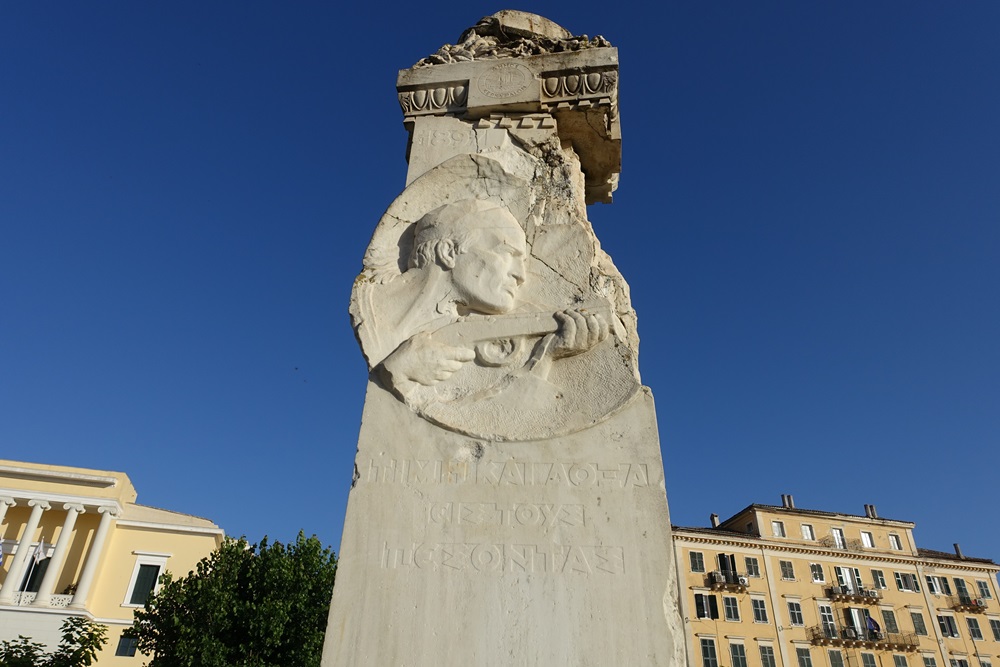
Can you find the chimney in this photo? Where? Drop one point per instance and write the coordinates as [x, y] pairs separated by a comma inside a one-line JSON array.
[[791, 502], [873, 514], [868, 511], [784, 500], [714, 518], [958, 551]]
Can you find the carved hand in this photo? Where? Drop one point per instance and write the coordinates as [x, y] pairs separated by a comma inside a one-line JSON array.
[[422, 360], [578, 332]]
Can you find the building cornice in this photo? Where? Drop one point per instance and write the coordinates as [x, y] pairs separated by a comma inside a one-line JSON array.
[[171, 527], [58, 476], [873, 556]]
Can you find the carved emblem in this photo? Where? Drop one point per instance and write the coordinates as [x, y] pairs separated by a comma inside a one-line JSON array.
[[505, 80]]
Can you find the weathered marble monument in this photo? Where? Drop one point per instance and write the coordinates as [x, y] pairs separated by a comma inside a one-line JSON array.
[[508, 504]]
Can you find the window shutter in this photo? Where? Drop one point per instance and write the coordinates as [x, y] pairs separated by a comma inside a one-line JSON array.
[[947, 586], [699, 606], [713, 606], [899, 581]]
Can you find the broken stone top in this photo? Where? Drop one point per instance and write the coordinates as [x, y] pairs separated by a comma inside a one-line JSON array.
[[511, 34]]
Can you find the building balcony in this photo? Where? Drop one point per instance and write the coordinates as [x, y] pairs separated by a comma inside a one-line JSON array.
[[860, 595], [968, 604], [830, 635], [843, 545], [727, 580], [24, 599]]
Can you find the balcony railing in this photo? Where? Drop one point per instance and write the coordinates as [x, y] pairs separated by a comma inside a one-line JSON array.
[[833, 636], [844, 544], [24, 599], [728, 580], [968, 603], [849, 594]]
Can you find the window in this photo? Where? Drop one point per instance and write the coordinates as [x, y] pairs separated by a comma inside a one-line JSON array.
[[961, 589], [787, 571], [817, 572], [918, 623], [974, 630], [127, 646], [706, 606], [759, 610], [867, 539], [767, 656], [948, 626], [697, 561], [929, 661], [984, 589], [838, 538], [778, 528], [907, 582], [795, 613], [739, 655], [995, 627], [959, 662], [753, 567], [868, 660], [808, 533], [984, 661], [805, 660], [899, 660], [145, 576], [826, 621], [894, 542], [727, 563], [836, 658], [849, 578], [732, 608], [878, 579], [708, 657], [938, 585], [889, 621]]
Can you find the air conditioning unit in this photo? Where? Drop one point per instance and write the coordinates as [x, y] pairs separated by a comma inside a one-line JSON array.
[[744, 581], [871, 594], [980, 602], [850, 633]]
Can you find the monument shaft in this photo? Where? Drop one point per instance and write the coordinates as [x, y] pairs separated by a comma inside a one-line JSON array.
[[508, 503]]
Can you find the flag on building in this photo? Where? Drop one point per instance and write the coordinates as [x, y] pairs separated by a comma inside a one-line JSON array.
[[38, 555]]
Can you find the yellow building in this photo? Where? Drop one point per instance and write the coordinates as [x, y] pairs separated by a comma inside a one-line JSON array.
[[75, 543], [778, 586]]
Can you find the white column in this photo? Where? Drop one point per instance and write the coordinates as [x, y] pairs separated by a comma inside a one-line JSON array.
[[93, 556], [44, 596], [23, 552], [5, 502]]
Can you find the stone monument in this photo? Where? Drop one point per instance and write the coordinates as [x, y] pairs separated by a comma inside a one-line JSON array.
[[508, 504]]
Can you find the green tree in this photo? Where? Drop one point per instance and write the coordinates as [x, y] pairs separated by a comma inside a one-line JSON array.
[[81, 640], [252, 605]]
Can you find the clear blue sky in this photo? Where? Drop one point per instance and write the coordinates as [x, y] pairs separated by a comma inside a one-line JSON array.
[[809, 218]]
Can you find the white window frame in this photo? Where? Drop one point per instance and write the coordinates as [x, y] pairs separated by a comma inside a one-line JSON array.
[[867, 540], [974, 629], [758, 604], [808, 533], [752, 571], [700, 557], [899, 660], [839, 539], [840, 657], [769, 660], [952, 625], [895, 543], [726, 600], [733, 651], [868, 659], [791, 570], [803, 656], [145, 558], [815, 568], [984, 589], [929, 660], [792, 613], [914, 615], [778, 528], [995, 628], [878, 579]]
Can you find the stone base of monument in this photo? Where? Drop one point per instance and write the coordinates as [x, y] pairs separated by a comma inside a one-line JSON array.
[[460, 552]]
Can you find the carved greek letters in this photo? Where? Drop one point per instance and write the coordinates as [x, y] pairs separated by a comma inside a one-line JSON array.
[[506, 558], [509, 473]]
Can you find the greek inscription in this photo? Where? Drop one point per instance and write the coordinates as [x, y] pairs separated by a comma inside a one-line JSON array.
[[508, 473], [495, 558], [499, 514], [451, 138], [505, 80]]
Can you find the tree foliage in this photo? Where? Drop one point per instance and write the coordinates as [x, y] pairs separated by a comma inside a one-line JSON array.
[[253, 605], [81, 640]]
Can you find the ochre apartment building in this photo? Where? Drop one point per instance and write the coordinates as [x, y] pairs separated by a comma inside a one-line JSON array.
[[75, 543], [778, 586]]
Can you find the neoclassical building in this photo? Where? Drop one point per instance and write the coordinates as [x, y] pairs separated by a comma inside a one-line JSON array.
[[75, 543], [779, 586]]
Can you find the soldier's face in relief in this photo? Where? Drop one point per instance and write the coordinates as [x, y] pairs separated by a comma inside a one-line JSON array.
[[487, 275]]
